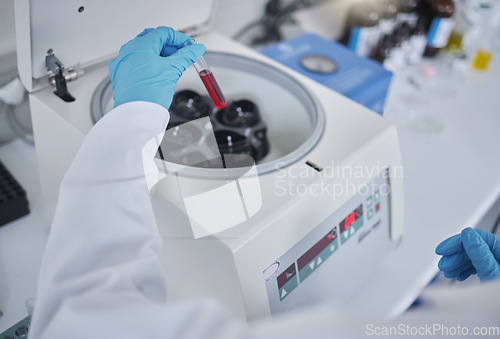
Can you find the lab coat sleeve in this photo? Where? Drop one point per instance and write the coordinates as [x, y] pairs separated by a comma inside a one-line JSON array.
[[101, 275]]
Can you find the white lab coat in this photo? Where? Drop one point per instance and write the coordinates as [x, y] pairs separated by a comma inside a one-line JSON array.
[[102, 276]]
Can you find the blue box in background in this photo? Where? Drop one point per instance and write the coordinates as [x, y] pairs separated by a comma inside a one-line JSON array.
[[335, 66]]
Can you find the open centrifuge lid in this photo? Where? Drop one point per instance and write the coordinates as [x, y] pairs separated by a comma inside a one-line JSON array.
[[89, 32]]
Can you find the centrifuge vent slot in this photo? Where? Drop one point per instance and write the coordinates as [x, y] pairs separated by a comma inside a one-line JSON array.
[[313, 165]]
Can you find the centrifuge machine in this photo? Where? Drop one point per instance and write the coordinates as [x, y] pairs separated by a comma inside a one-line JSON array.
[[327, 179]]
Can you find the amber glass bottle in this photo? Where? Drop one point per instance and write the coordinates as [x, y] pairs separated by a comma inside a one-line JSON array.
[[439, 18], [408, 12], [388, 10], [361, 32]]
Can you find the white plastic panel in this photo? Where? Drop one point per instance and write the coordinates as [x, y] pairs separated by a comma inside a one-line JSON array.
[[332, 261], [90, 35]]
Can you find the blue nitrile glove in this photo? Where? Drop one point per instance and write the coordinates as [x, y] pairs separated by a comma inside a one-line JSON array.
[[473, 251], [149, 66]]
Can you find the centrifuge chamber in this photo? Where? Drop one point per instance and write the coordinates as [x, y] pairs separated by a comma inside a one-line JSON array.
[[293, 118]]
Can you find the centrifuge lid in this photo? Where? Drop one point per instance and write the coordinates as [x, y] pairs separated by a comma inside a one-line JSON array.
[[86, 33]]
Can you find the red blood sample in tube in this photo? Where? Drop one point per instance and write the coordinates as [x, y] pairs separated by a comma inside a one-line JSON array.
[[213, 88]]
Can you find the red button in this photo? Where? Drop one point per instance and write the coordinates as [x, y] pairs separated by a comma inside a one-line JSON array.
[[377, 207]]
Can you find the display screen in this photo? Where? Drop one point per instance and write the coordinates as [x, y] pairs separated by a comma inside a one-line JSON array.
[[351, 218], [317, 248], [288, 274]]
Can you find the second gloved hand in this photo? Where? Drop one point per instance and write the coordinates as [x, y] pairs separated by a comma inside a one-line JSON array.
[[473, 251], [149, 66]]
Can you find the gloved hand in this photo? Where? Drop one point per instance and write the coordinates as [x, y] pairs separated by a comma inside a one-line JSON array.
[[473, 251], [149, 66]]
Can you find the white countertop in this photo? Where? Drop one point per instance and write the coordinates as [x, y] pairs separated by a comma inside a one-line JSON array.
[[21, 241], [452, 177]]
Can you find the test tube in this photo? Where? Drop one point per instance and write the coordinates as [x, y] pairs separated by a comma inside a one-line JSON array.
[[208, 79]]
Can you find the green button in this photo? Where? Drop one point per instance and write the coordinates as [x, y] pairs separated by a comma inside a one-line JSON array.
[[369, 201], [329, 250], [290, 285], [308, 269], [347, 234], [318, 260]]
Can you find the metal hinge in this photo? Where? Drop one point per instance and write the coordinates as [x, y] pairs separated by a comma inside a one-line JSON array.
[[59, 76], [69, 74]]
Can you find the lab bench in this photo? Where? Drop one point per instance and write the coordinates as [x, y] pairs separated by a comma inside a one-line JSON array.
[[451, 175]]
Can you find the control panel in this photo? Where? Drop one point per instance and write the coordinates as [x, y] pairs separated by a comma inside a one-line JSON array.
[[333, 260]]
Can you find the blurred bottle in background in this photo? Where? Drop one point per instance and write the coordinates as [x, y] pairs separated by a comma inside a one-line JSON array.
[[397, 33], [466, 16], [486, 35], [404, 31], [439, 18], [362, 30], [388, 10], [418, 42], [408, 12], [399, 51], [401, 48], [382, 53]]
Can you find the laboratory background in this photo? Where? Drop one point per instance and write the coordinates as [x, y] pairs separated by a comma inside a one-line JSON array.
[[329, 147]]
